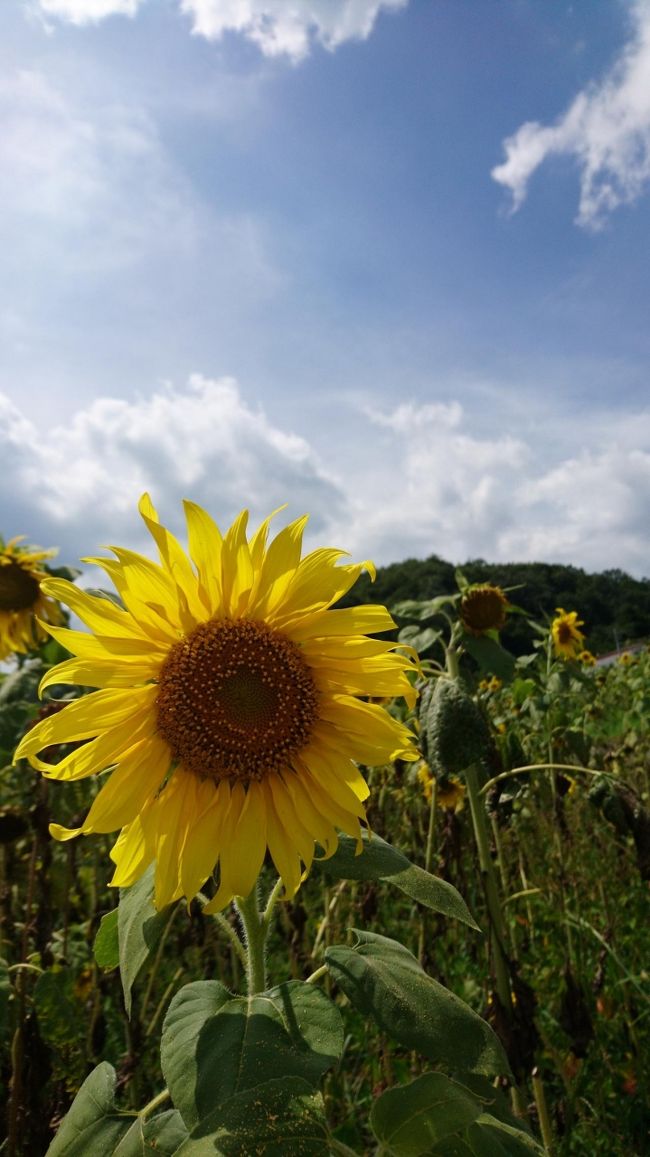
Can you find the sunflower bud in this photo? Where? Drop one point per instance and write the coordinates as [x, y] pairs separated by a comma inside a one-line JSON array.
[[456, 732]]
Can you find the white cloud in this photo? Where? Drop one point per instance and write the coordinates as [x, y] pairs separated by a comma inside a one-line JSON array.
[[78, 485], [88, 11], [606, 129], [284, 28], [413, 481], [277, 27]]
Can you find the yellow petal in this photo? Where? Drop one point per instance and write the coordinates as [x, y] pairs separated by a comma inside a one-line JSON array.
[[136, 779], [205, 543], [132, 853], [85, 717]]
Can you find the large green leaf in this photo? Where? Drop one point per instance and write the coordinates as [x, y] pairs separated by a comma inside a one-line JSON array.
[[409, 1119], [377, 859], [433, 893], [162, 1135], [435, 1115], [139, 927], [383, 980], [215, 1045], [490, 655], [488, 1137], [281, 1118], [92, 1125]]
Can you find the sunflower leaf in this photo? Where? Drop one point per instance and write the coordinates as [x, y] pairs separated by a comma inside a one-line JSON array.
[[215, 1045], [490, 655], [139, 928], [411, 1118], [377, 860], [162, 1134], [433, 893], [106, 948], [93, 1124], [271, 1120], [383, 980], [435, 1115]]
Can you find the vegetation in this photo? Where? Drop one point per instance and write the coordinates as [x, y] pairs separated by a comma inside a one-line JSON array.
[[614, 606], [531, 802]]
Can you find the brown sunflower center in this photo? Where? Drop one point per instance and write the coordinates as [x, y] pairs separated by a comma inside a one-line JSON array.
[[19, 590], [565, 633], [236, 700]]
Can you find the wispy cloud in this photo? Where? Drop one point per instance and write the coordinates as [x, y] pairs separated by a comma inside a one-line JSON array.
[[277, 27], [92, 183], [418, 481], [606, 129]]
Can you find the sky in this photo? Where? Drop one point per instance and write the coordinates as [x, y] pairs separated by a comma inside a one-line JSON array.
[[385, 261]]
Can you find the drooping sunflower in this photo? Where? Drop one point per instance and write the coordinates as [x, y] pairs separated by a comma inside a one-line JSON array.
[[483, 608], [22, 599], [568, 640], [231, 704]]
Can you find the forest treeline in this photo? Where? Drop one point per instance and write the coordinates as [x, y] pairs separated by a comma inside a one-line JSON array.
[[614, 606]]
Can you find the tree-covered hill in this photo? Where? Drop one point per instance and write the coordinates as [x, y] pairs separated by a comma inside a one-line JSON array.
[[615, 607]]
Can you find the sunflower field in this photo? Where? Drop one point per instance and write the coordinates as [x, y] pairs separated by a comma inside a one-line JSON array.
[[283, 873]]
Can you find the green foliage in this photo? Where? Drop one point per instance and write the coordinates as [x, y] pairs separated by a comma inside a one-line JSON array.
[[434, 1114], [139, 930], [614, 606], [216, 1046], [93, 1124], [383, 980], [278, 1118], [106, 948]]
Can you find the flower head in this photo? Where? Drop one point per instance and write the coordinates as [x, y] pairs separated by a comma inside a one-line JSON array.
[[587, 659], [22, 601], [568, 640], [451, 795], [231, 704], [483, 608]]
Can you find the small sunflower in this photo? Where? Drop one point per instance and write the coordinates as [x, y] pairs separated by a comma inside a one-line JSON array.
[[22, 601], [568, 640], [587, 659], [232, 706], [483, 608], [451, 795]]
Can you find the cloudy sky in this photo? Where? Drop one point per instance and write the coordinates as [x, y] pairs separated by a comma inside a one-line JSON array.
[[383, 260]]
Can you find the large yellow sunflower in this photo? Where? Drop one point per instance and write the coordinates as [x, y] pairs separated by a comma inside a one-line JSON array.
[[232, 706], [568, 640], [22, 600]]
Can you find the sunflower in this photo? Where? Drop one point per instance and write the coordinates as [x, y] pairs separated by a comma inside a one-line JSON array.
[[22, 601], [483, 608], [587, 659], [232, 706], [568, 640]]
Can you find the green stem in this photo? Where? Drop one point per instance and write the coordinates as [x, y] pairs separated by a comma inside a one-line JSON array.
[[255, 936], [428, 863], [274, 896], [317, 974], [495, 912], [153, 1104], [545, 1126]]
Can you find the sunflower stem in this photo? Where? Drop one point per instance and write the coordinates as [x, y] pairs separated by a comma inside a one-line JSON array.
[[255, 937], [273, 898]]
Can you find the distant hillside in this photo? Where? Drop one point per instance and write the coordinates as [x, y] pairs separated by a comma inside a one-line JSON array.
[[614, 606]]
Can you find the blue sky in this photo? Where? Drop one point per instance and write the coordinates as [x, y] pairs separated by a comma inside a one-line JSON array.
[[383, 260]]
